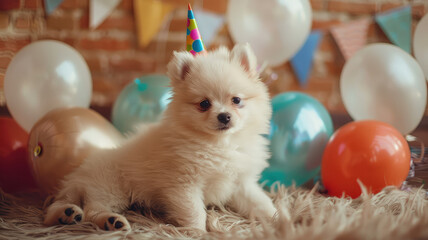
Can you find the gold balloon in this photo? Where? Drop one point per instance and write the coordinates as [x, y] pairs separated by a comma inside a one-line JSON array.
[[61, 140]]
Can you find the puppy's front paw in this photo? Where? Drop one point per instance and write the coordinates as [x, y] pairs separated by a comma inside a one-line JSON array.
[[63, 214], [112, 222], [266, 212]]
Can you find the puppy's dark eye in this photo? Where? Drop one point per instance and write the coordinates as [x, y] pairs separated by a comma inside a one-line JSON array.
[[205, 105], [236, 100]]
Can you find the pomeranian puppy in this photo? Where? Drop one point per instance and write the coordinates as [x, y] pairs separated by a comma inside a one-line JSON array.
[[207, 149]]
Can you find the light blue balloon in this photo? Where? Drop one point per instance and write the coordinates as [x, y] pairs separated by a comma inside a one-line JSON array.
[[300, 130], [141, 101]]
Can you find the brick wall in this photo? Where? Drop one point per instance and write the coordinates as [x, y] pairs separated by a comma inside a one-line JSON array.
[[114, 59]]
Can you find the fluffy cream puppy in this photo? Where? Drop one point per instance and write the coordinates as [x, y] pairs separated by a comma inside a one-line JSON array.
[[207, 149]]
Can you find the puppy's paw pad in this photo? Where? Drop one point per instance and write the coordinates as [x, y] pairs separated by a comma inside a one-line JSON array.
[[70, 214], [116, 222]]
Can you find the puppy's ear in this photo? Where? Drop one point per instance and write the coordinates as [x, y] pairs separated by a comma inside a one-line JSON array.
[[245, 56], [179, 66]]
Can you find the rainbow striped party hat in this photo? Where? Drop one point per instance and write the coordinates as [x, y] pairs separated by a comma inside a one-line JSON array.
[[194, 42]]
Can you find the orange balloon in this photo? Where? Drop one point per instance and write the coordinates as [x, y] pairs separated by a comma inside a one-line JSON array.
[[371, 151]]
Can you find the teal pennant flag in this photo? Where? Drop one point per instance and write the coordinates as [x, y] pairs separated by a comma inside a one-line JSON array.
[[51, 5], [396, 24], [302, 61]]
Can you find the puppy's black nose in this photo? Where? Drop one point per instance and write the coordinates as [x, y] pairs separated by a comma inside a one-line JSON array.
[[224, 118]]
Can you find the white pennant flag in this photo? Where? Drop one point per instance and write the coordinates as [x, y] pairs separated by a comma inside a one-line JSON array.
[[351, 36], [99, 10]]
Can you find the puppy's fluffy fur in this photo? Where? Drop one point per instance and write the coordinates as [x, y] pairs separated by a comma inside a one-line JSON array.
[[207, 149]]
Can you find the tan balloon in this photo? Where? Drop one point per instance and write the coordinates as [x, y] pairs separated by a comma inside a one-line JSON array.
[[61, 140]]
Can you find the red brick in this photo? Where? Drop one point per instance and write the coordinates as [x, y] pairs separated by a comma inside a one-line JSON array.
[[93, 62], [325, 24], [33, 4], [4, 20], [62, 22], [100, 100], [69, 40], [317, 4], [127, 5], [108, 44], [175, 46], [389, 5], [38, 24], [2, 80], [151, 48], [335, 63], [221, 40], [122, 79], [104, 90], [318, 85], [103, 82], [74, 4], [13, 44], [336, 105], [178, 25], [352, 7], [334, 66], [169, 47], [6, 5], [379, 34], [372, 30], [107, 86], [327, 43], [182, 4], [125, 22], [4, 62], [219, 6], [136, 63], [84, 21], [23, 22], [224, 31], [419, 10]]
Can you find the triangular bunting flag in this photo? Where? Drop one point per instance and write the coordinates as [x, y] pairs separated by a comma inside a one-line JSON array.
[[51, 5], [100, 10], [397, 26], [302, 61], [149, 16], [351, 37], [209, 24]]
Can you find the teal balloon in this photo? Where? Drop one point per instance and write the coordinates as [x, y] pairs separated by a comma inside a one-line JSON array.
[[300, 130], [141, 101]]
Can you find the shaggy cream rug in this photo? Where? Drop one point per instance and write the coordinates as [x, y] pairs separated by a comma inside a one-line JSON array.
[[303, 214]]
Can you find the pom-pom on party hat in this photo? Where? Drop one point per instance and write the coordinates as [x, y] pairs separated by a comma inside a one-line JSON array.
[[194, 39]]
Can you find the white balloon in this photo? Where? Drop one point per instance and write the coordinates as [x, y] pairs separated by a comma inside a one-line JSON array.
[[382, 82], [420, 44], [46, 75], [276, 29]]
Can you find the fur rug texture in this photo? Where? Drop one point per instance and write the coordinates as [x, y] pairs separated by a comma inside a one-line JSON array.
[[303, 214]]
